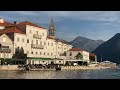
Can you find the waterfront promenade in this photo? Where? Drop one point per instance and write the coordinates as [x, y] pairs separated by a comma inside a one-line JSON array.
[[82, 67], [15, 67]]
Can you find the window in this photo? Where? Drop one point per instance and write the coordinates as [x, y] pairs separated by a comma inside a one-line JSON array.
[[40, 53], [31, 52], [4, 39], [44, 43], [27, 52], [48, 43], [52, 44], [27, 40], [32, 42], [17, 39], [51, 53], [36, 41], [43, 61], [23, 40], [30, 31], [48, 53], [44, 53], [43, 34], [36, 52], [58, 52], [40, 42], [70, 54], [37, 32]]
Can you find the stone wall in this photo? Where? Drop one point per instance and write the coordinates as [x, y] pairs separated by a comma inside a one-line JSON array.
[[8, 67]]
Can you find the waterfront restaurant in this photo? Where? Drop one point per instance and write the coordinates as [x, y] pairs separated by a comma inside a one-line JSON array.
[[71, 54]]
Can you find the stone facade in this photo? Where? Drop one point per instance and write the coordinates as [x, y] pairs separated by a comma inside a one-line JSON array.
[[6, 50]]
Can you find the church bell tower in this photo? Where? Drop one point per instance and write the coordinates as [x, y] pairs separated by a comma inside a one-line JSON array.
[[52, 29]]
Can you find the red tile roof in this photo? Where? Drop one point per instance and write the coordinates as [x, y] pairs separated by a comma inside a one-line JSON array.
[[10, 35], [76, 49], [12, 29], [92, 54], [6, 24], [29, 23]]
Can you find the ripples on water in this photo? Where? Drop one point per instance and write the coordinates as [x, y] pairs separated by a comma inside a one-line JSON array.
[[65, 74]]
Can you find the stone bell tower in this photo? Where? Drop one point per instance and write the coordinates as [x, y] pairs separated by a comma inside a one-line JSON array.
[[52, 29]]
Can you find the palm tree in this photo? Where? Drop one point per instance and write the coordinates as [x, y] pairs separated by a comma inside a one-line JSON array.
[[79, 56]]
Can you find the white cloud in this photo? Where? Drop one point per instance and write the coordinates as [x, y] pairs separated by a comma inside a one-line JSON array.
[[26, 13], [102, 16]]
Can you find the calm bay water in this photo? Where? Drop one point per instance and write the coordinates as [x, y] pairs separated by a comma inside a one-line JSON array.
[[65, 74]]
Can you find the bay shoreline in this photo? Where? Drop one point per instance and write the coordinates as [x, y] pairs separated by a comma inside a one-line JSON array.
[[15, 68]]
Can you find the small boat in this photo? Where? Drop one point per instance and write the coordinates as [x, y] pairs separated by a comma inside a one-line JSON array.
[[57, 67], [27, 68]]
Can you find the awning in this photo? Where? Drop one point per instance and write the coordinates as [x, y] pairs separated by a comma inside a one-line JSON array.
[[34, 58], [78, 60]]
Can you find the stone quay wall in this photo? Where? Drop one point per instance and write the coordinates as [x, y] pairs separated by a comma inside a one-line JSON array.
[[9, 67]]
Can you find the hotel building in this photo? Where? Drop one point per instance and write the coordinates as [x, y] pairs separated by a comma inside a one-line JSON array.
[[38, 42]]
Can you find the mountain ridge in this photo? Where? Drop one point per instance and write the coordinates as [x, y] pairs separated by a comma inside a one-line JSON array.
[[109, 50], [85, 43]]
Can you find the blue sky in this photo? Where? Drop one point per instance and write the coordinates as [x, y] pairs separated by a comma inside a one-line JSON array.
[[70, 24]]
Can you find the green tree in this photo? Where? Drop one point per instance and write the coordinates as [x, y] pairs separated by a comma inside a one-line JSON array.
[[79, 56], [19, 53], [17, 50]]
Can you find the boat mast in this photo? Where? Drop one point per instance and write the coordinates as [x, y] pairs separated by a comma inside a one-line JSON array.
[[101, 57]]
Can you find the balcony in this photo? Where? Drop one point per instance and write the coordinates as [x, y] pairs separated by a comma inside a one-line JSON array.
[[5, 50], [37, 36], [35, 46]]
